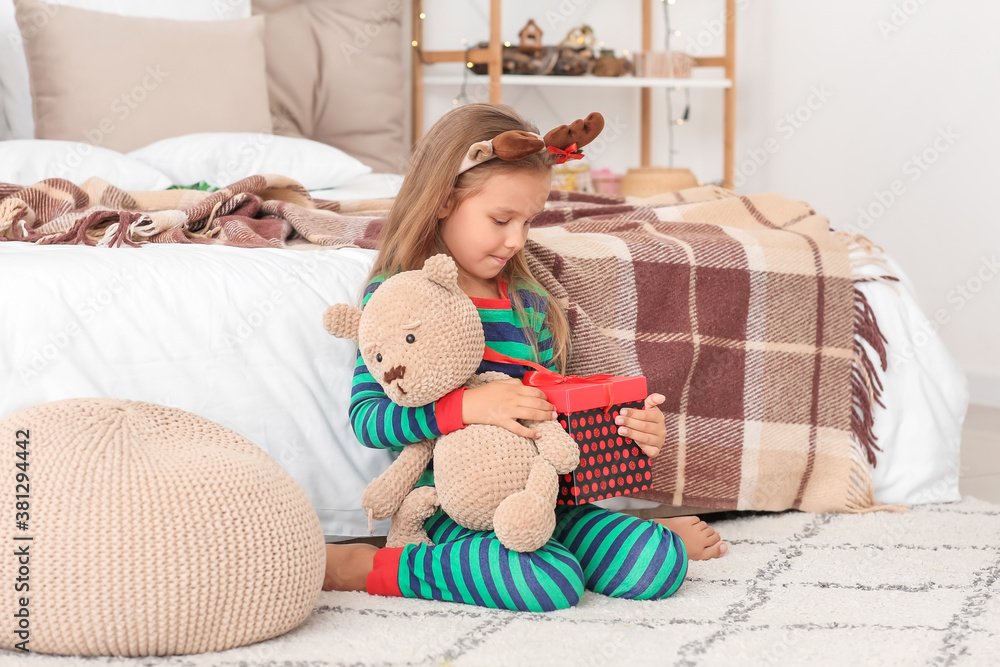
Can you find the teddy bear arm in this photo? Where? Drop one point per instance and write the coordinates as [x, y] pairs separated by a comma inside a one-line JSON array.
[[556, 446], [483, 378], [342, 320]]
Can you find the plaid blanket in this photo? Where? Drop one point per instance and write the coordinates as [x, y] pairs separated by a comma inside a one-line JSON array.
[[741, 310], [256, 212]]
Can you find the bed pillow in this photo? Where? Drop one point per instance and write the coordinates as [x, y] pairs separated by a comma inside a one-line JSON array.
[[221, 158], [180, 10], [341, 49], [15, 107], [28, 161], [123, 82]]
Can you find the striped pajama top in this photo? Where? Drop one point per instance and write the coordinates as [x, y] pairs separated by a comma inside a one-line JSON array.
[[379, 423]]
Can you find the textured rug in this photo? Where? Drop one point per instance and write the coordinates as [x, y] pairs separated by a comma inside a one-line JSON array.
[[825, 589]]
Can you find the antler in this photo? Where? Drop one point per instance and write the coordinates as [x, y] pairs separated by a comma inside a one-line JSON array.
[[580, 132], [516, 144]]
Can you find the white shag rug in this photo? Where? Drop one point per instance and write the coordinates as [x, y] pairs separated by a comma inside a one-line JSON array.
[[831, 589]]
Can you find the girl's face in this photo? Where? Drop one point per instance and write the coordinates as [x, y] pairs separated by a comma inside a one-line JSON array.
[[488, 228]]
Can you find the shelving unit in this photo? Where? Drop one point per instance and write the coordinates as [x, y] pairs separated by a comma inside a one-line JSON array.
[[492, 57]]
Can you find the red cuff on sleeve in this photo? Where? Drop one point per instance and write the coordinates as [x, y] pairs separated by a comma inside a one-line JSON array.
[[384, 577], [448, 411]]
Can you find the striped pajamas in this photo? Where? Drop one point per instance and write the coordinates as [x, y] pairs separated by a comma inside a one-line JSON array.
[[592, 548]]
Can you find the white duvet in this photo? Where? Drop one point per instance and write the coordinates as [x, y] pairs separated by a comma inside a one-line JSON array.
[[236, 336]]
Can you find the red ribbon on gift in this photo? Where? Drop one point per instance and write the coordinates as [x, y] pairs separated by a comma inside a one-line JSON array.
[[568, 153], [542, 376]]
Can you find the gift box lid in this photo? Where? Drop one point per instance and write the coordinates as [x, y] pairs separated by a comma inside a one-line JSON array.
[[574, 394]]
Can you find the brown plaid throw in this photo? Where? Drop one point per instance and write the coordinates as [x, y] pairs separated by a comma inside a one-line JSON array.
[[256, 212], [741, 310]]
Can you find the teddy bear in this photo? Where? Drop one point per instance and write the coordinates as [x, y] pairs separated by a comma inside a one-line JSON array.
[[421, 337]]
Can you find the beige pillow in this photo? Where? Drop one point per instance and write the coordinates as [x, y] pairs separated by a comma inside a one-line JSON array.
[[124, 82], [335, 73]]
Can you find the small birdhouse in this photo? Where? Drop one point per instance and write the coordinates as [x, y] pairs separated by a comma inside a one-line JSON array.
[[531, 38]]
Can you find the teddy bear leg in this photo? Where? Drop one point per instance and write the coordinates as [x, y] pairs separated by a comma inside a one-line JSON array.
[[407, 525], [383, 495], [524, 521]]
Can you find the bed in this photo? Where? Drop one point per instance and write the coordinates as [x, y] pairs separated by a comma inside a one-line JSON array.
[[234, 333]]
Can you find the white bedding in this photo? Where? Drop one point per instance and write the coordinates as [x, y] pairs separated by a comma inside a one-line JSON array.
[[369, 186], [146, 324]]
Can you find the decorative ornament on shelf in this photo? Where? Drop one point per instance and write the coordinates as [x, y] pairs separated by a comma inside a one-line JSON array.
[[663, 64], [576, 52], [572, 175], [648, 181], [531, 39], [580, 37], [609, 65], [606, 182]]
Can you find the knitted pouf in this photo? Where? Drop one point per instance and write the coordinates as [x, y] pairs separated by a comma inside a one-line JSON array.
[[147, 530]]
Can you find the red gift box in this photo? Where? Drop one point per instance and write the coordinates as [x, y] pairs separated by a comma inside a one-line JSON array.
[[610, 464]]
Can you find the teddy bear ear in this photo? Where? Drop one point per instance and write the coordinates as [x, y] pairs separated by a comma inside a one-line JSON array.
[[442, 270], [342, 320]]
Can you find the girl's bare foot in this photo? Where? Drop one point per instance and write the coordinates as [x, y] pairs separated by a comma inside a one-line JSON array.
[[348, 565], [701, 540]]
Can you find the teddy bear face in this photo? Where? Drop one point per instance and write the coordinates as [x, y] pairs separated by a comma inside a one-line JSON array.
[[419, 339]]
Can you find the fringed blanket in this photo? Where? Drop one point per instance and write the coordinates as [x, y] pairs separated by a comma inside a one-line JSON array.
[[741, 310]]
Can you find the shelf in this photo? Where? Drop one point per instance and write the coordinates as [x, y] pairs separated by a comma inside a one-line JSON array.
[[587, 80], [492, 56]]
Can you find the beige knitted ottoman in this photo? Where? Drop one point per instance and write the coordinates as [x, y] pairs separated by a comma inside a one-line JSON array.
[[137, 529]]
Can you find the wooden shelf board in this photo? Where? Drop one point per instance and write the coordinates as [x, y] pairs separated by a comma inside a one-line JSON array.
[[588, 81]]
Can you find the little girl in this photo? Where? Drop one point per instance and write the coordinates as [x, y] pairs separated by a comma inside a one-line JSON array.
[[457, 199]]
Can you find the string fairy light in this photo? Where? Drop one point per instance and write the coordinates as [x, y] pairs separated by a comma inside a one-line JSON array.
[[463, 97], [671, 122]]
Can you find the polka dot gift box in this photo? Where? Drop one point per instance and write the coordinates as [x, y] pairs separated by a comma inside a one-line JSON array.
[[610, 464]]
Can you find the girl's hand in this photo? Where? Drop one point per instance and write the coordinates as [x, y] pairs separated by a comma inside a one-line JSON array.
[[503, 402], [646, 427]]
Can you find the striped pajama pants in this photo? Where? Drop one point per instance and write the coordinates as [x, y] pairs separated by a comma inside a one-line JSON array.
[[593, 548]]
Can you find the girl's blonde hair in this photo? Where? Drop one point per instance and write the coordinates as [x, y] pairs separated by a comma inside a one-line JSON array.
[[412, 232]]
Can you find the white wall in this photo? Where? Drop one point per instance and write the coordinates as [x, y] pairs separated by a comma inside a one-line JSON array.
[[889, 107]]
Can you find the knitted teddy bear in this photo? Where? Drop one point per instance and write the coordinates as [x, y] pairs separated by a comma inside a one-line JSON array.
[[421, 337]]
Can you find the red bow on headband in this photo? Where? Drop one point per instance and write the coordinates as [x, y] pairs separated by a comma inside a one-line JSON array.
[[568, 153]]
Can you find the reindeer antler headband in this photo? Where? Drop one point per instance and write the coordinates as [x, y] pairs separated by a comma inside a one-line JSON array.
[[564, 141]]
